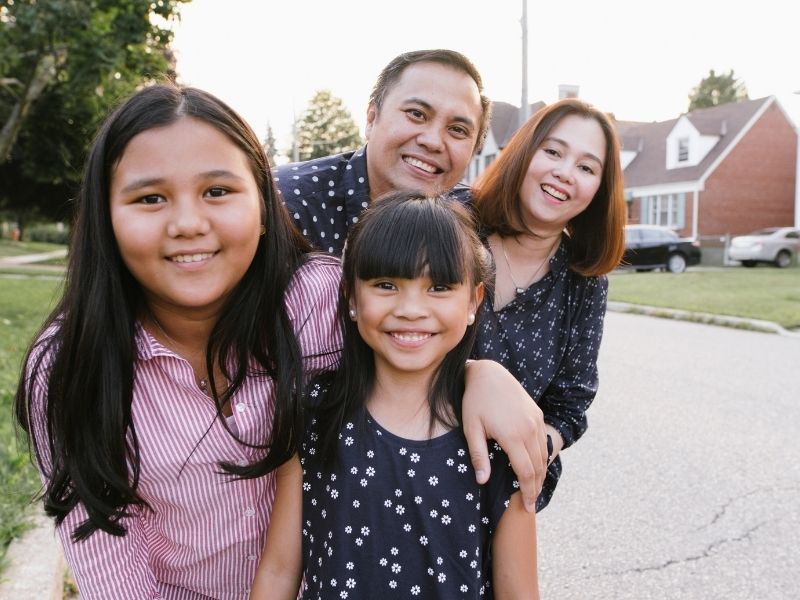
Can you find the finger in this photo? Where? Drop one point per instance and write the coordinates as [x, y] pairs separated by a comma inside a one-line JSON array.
[[527, 466], [478, 452]]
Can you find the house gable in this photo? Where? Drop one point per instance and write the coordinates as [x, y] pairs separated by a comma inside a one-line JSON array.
[[687, 146]]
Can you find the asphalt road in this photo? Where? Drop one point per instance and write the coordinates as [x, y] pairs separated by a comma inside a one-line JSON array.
[[687, 483]]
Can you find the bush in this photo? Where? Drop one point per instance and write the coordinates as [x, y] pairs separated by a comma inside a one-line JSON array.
[[53, 233]]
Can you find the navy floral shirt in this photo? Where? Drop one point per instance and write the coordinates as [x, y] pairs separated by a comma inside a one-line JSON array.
[[548, 337], [325, 196], [399, 518]]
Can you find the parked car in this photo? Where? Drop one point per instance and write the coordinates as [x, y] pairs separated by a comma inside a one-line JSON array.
[[776, 245], [649, 247]]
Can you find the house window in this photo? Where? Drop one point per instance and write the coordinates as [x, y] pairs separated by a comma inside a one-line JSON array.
[[683, 149], [487, 160], [667, 209]]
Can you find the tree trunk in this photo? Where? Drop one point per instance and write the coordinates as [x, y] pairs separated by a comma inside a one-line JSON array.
[[44, 73]]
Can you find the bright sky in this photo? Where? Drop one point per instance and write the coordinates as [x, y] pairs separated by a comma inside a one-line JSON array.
[[635, 58]]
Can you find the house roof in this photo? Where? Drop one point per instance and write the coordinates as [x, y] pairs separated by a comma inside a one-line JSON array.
[[506, 120], [649, 140]]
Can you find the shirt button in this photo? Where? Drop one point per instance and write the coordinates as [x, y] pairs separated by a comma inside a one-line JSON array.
[[241, 407], [251, 557], [242, 462], [249, 512]]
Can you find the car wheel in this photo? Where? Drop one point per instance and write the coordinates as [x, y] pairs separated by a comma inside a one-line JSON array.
[[783, 259], [676, 263], [748, 263]]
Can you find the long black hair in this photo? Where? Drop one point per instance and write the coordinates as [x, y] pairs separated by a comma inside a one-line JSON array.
[[86, 349], [403, 234]]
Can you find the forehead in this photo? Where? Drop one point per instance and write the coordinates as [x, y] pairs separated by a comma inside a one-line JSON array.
[[439, 85]]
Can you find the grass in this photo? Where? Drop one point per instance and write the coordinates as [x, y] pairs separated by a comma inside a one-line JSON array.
[[12, 248], [764, 293], [24, 303]]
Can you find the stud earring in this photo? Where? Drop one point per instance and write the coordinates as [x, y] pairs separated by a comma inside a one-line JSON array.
[[353, 314], [470, 319], [263, 230]]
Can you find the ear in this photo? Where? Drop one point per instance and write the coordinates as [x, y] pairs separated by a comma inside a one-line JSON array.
[[372, 115], [477, 298]]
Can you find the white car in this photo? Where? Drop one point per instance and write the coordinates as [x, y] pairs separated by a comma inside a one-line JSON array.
[[776, 245]]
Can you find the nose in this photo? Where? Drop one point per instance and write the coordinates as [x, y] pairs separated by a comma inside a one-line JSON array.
[[563, 171], [187, 218], [411, 305], [431, 138]]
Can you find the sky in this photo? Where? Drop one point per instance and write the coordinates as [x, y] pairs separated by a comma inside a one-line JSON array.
[[637, 59]]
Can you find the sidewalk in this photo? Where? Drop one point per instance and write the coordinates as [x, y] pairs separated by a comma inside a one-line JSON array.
[[27, 259]]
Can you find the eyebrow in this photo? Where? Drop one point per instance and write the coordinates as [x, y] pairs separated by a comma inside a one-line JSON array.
[[145, 182], [585, 154], [428, 106]]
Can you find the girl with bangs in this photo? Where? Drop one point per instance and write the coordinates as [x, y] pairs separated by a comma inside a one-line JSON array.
[[389, 501]]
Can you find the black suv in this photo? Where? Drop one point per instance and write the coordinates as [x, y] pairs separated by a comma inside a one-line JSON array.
[[649, 247]]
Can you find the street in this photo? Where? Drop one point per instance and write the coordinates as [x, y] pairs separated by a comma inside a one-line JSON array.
[[686, 485]]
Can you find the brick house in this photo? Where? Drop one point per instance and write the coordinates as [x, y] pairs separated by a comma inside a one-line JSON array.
[[718, 171]]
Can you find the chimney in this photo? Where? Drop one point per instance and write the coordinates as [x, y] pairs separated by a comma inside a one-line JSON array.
[[566, 90]]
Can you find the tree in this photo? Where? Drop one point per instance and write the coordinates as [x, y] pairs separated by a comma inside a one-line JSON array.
[[714, 90], [63, 65], [325, 128], [270, 148]]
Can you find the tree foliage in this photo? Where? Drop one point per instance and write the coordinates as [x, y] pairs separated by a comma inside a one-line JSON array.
[[270, 149], [714, 90], [63, 65], [325, 127]]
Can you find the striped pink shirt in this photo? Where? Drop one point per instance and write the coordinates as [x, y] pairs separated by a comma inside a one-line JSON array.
[[204, 534]]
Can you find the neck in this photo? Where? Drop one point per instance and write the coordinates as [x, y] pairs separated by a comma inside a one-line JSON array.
[[400, 405]]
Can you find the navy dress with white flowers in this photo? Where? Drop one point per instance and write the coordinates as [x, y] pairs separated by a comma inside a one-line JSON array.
[[399, 518]]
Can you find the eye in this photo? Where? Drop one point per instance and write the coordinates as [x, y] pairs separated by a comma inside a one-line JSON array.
[[217, 192], [551, 152], [151, 199], [384, 285], [415, 114], [460, 131], [586, 169], [440, 287]]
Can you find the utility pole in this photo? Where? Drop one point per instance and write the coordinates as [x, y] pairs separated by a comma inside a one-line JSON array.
[[525, 108]]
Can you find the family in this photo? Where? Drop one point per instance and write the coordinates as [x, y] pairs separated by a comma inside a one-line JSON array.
[[351, 377]]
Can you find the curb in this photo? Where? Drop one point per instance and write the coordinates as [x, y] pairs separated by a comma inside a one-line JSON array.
[[700, 317], [34, 565]]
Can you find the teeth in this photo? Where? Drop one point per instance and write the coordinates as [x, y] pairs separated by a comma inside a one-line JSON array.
[[554, 192], [411, 336], [420, 165], [190, 258]]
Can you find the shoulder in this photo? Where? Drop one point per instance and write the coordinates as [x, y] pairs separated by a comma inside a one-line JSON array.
[[317, 278], [299, 175]]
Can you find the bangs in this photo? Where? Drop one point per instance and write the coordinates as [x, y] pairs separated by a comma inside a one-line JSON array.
[[411, 239]]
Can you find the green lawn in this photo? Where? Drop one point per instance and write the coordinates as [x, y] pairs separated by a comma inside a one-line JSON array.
[[11, 248], [763, 293], [24, 303]]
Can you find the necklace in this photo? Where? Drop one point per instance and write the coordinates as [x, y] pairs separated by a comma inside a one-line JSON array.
[[518, 289], [202, 383]]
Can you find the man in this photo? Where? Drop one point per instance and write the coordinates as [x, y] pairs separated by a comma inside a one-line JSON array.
[[427, 117]]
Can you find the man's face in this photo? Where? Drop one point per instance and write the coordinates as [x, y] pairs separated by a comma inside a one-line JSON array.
[[425, 133]]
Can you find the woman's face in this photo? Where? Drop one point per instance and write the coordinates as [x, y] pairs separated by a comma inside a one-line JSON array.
[[563, 175], [185, 209]]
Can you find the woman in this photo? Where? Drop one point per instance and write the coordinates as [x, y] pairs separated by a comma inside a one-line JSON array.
[[553, 212]]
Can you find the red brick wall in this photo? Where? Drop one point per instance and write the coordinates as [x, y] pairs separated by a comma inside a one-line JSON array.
[[754, 186]]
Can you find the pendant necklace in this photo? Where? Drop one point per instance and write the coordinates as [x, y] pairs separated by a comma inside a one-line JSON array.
[[518, 289]]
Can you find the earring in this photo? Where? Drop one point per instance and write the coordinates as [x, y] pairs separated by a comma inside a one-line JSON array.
[[353, 314], [263, 230], [470, 319]]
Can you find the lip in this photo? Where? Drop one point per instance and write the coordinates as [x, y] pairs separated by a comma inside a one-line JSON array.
[[409, 338], [408, 159], [191, 259], [556, 189]]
